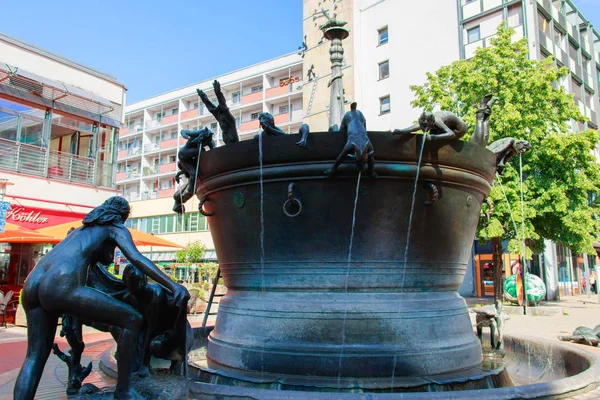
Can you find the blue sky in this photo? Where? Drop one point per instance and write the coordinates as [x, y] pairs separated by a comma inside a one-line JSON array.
[[157, 46]]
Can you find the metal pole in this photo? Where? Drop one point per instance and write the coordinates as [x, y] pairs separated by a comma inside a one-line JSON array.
[[212, 296]]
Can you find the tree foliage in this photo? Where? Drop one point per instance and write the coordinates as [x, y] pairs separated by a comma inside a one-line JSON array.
[[192, 253], [560, 174]]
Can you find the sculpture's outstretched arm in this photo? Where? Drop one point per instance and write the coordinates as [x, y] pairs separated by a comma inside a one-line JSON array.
[[209, 105], [219, 93], [410, 129], [125, 242]]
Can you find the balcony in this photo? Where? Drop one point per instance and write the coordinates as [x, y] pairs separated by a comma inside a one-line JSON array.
[[128, 175], [153, 124], [169, 144], [278, 91], [252, 97], [281, 118], [166, 168], [124, 131], [149, 195], [130, 130], [477, 7], [153, 170], [151, 147], [190, 114], [132, 197], [131, 152], [171, 119], [163, 193], [250, 125], [38, 161]]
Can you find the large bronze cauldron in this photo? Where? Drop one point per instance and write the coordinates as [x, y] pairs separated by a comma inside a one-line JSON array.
[[306, 310]]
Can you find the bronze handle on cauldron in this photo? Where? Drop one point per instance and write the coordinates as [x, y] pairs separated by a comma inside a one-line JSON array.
[[201, 209], [292, 206], [433, 192]]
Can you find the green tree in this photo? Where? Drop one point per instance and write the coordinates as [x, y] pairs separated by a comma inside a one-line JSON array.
[[193, 253], [560, 174]]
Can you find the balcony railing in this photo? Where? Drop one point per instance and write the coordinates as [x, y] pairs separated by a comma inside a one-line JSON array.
[[170, 119], [167, 192], [249, 125], [149, 195], [132, 197], [153, 170], [38, 161], [126, 175], [131, 152], [252, 97]]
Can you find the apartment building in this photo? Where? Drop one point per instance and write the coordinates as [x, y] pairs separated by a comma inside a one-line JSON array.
[[148, 144], [59, 123], [558, 29], [393, 45]]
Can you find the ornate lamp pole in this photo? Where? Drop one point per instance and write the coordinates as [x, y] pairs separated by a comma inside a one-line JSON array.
[[334, 31]]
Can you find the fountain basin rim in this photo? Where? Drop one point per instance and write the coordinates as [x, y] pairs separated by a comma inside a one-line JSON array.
[[454, 176], [560, 388]]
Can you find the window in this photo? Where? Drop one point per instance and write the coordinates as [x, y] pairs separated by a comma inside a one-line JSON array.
[[238, 122], [213, 127], [515, 16], [382, 36], [473, 35], [174, 135], [544, 24], [235, 97], [257, 88], [172, 159], [156, 139], [159, 117], [254, 116], [384, 105], [174, 111], [194, 106], [284, 109], [384, 70]]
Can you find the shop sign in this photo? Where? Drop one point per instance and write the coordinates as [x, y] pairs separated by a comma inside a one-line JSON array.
[[37, 218]]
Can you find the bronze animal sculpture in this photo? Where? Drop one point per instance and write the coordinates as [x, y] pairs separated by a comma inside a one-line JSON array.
[[439, 125], [57, 285], [507, 148], [482, 128], [491, 316], [189, 164], [584, 335], [221, 112], [358, 145]]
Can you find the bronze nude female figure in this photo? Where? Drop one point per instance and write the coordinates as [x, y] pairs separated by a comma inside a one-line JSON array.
[[57, 286]]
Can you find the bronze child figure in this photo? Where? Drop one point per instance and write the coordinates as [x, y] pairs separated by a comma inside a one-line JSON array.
[[439, 125], [358, 144]]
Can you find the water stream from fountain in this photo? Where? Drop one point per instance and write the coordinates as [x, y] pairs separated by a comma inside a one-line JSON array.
[[410, 217], [262, 239], [346, 279]]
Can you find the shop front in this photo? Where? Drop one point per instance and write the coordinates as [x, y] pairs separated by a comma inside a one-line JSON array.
[[21, 246]]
